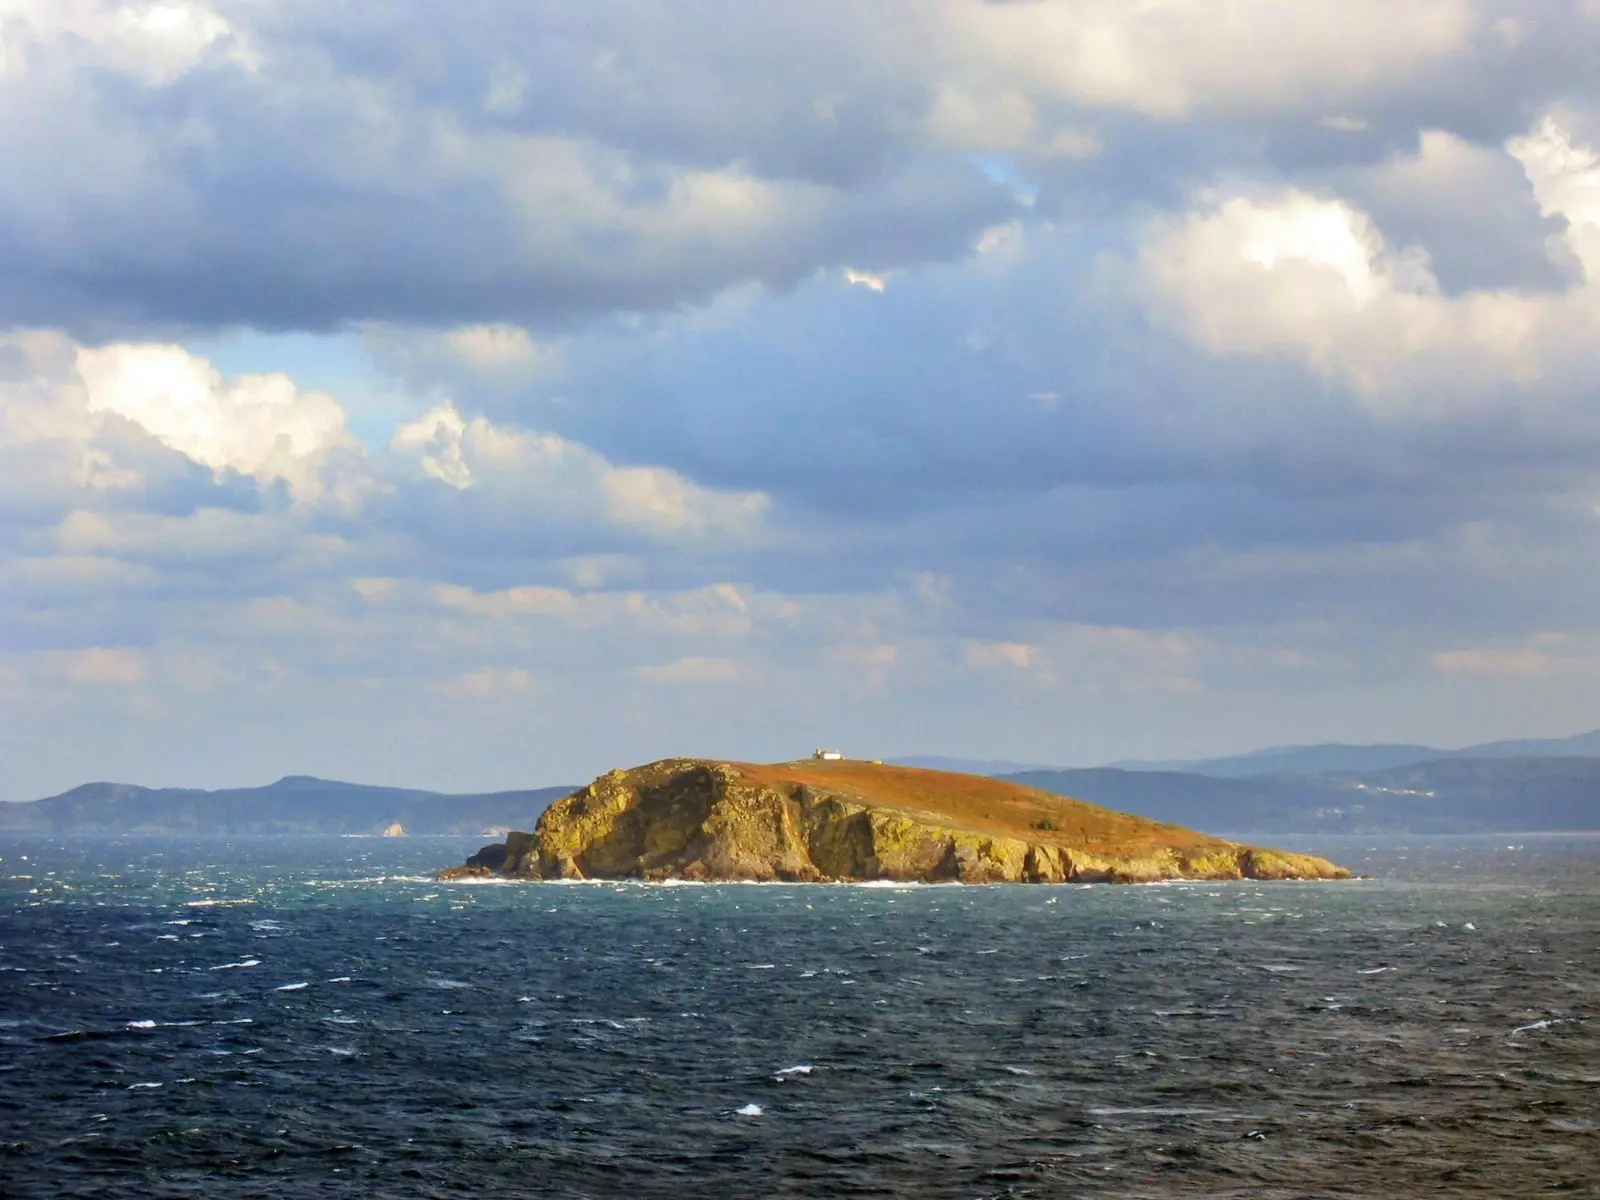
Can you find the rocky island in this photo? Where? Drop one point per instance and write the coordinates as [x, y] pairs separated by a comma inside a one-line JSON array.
[[816, 821]]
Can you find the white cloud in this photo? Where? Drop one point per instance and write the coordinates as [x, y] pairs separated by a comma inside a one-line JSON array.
[[1171, 57], [1566, 180], [155, 41], [718, 612], [1016, 655], [1096, 658], [549, 476], [260, 425], [1310, 277], [1541, 656]]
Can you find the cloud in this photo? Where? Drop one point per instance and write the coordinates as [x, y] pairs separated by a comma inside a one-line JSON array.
[[1169, 59], [693, 671], [488, 682], [60, 453], [1016, 655], [298, 167], [546, 473], [154, 43], [259, 425], [441, 389], [1312, 278], [1473, 210], [98, 665], [866, 279], [1543, 656]]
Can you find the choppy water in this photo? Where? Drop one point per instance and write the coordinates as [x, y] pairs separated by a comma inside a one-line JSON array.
[[315, 1017]]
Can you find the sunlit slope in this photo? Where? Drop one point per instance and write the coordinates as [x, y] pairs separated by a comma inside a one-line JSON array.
[[846, 820]]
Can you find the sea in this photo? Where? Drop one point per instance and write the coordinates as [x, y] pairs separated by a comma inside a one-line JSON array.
[[317, 1017]]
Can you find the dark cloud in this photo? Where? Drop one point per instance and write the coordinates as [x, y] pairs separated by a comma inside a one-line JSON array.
[[320, 165]]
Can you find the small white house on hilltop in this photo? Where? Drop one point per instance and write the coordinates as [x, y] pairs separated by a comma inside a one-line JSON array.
[[827, 755]]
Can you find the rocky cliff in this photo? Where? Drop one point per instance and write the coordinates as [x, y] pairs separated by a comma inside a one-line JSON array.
[[815, 821]]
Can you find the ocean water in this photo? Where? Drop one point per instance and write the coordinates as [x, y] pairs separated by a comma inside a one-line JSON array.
[[317, 1017]]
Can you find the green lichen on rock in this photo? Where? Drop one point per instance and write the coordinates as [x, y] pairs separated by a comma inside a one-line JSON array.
[[695, 819]]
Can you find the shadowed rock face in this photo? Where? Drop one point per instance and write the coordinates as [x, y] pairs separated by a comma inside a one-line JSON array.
[[806, 822]]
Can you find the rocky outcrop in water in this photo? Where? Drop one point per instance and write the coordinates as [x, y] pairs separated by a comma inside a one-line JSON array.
[[812, 821]]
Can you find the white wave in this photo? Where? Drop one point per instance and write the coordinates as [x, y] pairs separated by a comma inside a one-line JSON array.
[[340, 979], [448, 985], [214, 903], [749, 1110], [360, 879], [1278, 968], [141, 1024], [481, 881], [249, 962], [794, 1071], [136, 1086], [291, 987], [760, 966], [1377, 970], [1544, 1024]]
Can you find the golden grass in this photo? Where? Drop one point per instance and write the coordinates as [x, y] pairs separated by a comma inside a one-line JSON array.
[[981, 804]]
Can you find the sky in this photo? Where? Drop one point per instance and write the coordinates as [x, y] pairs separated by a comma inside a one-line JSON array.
[[485, 395]]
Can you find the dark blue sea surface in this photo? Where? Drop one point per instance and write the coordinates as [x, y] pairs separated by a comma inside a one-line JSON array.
[[317, 1017]]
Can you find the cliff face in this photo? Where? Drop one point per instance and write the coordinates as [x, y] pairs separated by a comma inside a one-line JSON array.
[[803, 822]]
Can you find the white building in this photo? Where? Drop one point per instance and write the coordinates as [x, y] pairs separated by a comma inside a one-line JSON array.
[[827, 755]]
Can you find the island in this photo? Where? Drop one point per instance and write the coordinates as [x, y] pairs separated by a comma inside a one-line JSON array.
[[849, 820]]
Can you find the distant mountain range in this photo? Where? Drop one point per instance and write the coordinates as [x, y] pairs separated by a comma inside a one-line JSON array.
[[1453, 795], [294, 804], [1317, 760], [1526, 785]]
